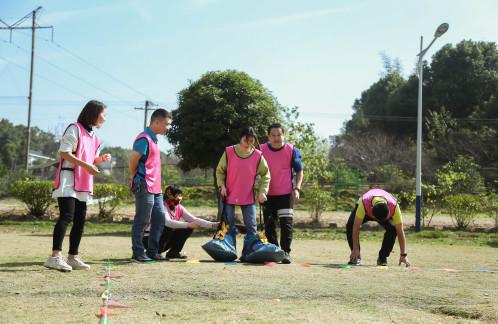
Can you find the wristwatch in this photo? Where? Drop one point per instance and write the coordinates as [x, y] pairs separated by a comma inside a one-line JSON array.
[[403, 254], [296, 188]]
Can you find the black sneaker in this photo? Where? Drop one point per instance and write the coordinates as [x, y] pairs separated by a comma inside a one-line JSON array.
[[140, 258], [286, 259], [356, 262], [176, 255], [382, 262], [157, 257]]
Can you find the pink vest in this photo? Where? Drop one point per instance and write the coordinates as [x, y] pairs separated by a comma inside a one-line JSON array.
[[86, 150], [178, 211], [369, 195], [279, 163], [241, 174], [152, 166]]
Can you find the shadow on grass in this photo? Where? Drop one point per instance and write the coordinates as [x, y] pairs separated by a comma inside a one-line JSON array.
[[116, 261], [5, 267], [201, 233], [331, 265]]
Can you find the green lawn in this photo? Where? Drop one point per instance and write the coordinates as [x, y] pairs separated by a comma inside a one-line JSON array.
[[217, 293]]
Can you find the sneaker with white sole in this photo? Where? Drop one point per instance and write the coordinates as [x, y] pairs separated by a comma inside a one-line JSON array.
[[78, 264], [57, 263]]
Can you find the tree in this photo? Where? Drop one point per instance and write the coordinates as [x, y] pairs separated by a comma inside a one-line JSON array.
[[464, 76], [12, 144], [314, 151], [461, 176], [372, 150], [448, 138], [460, 107], [211, 112]]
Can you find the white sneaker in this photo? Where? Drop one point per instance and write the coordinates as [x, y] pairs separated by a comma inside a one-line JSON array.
[[77, 264], [57, 263]]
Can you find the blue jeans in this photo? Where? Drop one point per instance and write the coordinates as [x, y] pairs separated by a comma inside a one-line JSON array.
[[248, 213], [148, 209]]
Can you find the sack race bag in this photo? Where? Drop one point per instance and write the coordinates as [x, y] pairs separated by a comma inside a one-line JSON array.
[[222, 246], [257, 249]]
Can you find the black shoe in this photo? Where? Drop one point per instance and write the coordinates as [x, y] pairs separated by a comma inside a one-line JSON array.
[[140, 258], [382, 262], [286, 259], [176, 255], [157, 257]]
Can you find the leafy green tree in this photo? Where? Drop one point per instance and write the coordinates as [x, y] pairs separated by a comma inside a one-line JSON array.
[[371, 109], [464, 76], [12, 144], [314, 151], [460, 177], [211, 112]]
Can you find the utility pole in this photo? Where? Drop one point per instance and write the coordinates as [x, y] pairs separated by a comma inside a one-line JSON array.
[[33, 28], [146, 109]]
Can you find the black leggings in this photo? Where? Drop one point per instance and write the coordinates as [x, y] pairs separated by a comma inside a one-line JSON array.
[[69, 208], [171, 239]]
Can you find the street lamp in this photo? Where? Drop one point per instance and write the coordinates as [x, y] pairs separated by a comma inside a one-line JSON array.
[[418, 203]]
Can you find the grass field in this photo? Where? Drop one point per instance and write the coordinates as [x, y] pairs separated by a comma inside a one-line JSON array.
[[217, 293]]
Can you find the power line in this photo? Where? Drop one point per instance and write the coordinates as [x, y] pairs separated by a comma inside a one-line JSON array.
[[43, 77], [78, 57], [67, 72], [33, 28], [414, 119], [146, 109]]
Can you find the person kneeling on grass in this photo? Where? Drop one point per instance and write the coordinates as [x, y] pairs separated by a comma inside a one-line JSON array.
[[380, 206], [176, 232]]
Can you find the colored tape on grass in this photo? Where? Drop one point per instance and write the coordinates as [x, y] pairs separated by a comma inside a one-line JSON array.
[[451, 270], [192, 261], [231, 263], [345, 266], [270, 264]]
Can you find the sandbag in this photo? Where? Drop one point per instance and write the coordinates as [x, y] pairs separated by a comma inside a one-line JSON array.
[[257, 249], [222, 246]]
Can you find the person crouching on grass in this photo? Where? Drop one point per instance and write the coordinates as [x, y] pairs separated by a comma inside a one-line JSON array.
[[176, 232], [380, 206]]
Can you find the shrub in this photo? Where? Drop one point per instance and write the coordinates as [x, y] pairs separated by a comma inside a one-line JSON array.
[[318, 200], [7, 180], [462, 209], [109, 196], [199, 193], [36, 194], [490, 204], [405, 199]]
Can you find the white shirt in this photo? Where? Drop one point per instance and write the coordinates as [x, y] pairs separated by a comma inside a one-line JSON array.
[[69, 143]]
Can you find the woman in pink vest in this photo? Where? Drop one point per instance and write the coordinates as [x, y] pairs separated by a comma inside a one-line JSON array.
[[73, 185], [286, 170], [236, 174], [179, 225], [380, 206]]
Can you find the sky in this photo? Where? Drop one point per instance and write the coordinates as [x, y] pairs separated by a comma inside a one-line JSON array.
[[317, 55]]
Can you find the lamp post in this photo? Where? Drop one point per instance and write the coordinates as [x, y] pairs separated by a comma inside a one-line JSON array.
[[418, 203]]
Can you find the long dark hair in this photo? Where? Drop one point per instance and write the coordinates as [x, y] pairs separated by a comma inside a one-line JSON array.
[[90, 113], [249, 131]]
